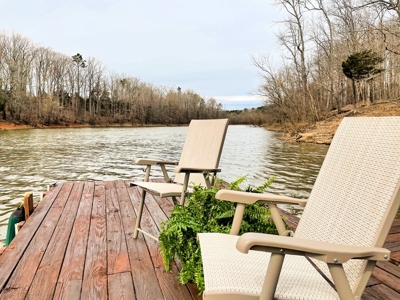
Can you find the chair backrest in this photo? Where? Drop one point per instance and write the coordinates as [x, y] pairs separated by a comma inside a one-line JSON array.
[[202, 148], [356, 195]]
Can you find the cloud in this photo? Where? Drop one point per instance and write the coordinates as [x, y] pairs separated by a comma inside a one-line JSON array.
[[205, 46]]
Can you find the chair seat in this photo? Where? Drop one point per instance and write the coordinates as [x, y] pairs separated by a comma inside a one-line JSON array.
[[228, 271], [162, 189]]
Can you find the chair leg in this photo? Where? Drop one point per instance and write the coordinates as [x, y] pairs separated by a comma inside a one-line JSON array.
[[184, 188], [272, 277], [139, 215], [341, 282]]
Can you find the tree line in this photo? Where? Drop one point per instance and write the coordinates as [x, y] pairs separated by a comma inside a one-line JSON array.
[[334, 53], [41, 86]]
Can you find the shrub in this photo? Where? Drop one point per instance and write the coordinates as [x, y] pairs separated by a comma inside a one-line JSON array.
[[204, 213]]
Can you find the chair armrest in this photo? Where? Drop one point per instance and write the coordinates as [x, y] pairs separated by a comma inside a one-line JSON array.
[[327, 252], [145, 161], [250, 198], [151, 162], [195, 170]]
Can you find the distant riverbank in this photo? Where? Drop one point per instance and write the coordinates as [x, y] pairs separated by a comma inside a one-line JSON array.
[[322, 132], [12, 126]]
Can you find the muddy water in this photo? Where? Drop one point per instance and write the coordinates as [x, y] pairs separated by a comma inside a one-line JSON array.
[[32, 159]]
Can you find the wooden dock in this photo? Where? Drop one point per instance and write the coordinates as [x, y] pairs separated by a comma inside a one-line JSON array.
[[78, 245]]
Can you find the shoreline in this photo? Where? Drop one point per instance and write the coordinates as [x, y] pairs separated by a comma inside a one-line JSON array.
[[4, 125], [322, 132]]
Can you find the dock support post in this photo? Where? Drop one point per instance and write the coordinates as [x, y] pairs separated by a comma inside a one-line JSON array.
[[28, 205]]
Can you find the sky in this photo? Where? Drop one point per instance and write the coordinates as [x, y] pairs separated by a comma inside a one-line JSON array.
[[206, 46]]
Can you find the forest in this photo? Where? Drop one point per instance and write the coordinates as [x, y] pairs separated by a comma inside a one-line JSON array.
[[42, 86], [333, 53]]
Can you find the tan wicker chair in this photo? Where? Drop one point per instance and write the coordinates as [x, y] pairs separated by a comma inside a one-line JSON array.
[[340, 234], [199, 159]]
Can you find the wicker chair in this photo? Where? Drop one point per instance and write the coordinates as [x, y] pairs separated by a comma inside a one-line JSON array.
[[340, 234], [199, 159]]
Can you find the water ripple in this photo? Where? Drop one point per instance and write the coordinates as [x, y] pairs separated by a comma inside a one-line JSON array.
[[32, 159]]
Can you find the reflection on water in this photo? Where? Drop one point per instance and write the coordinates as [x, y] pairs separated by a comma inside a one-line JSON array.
[[32, 159]]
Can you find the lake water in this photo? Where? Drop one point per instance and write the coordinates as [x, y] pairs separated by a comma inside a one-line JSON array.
[[32, 159]]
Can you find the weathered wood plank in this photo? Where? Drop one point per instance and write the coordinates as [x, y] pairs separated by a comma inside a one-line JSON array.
[[380, 292], [367, 296], [144, 277], [396, 222], [15, 294], [149, 225], [394, 229], [392, 238], [167, 204], [389, 268], [386, 278], [68, 290], [45, 280], [134, 268], [24, 273], [393, 247], [291, 220], [14, 252], [72, 270], [120, 286], [194, 291], [94, 285], [117, 252], [395, 257], [169, 284]]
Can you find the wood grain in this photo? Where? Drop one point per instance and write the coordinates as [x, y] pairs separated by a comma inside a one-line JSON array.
[[13, 254], [392, 238], [45, 280], [120, 286], [117, 252], [380, 292], [24, 272], [388, 279], [73, 265], [78, 244], [394, 229], [68, 290], [94, 284], [150, 227], [151, 221], [144, 276]]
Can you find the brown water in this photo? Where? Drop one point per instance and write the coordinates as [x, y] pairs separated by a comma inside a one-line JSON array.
[[32, 159]]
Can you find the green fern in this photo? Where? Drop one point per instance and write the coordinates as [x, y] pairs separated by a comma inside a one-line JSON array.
[[204, 213]]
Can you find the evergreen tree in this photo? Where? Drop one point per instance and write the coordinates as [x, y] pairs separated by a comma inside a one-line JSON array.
[[362, 66]]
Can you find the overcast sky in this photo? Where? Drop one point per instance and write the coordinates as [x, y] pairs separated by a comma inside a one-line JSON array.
[[203, 45]]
